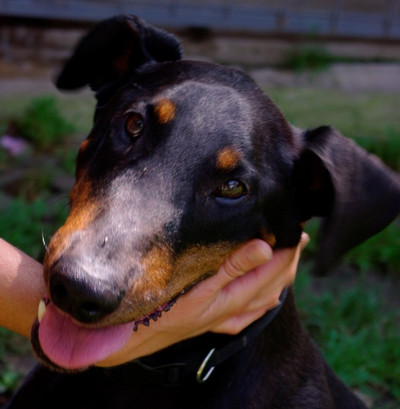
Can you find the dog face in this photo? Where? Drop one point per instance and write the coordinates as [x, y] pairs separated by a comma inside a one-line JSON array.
[[186, 160], [169, 181]]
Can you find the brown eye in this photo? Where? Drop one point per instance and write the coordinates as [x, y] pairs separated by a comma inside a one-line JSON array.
[[134, 125], [231, 190]]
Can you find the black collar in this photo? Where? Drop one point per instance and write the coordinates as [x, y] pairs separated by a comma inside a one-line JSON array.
[[201, 366]]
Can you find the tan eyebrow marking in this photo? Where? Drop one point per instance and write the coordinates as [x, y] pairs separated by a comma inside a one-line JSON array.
[[165, 110], [228, 158]]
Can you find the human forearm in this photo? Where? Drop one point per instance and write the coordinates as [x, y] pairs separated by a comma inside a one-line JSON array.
[[21, 288]]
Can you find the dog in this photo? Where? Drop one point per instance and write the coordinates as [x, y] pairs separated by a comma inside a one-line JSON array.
[[187, 160]]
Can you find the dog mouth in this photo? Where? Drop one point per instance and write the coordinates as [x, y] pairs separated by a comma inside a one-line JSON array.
[[63, 344]]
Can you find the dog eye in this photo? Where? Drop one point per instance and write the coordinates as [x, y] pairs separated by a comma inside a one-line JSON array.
[[134, 125], [232, 190]]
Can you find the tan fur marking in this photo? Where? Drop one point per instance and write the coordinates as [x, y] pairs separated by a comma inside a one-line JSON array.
[[200, 261], [83, 211], [157, 265], [269, 238], [165, 110], [165, 276], [84, 145], [228, 159]]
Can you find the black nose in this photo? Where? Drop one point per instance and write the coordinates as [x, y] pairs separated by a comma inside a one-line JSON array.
[[86, 298]]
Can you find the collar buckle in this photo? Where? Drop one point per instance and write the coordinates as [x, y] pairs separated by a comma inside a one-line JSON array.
[[199, 374]]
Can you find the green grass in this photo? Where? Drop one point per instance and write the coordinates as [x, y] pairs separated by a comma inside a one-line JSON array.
[[355, 115], [385, 144], [371, 119], [352, 319], [9, 378], [357, 334], [315, 58], [76, 109], [380, 253], [357, 331]]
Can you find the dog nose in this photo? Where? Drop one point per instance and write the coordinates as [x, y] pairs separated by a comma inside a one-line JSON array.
[[86, 298]]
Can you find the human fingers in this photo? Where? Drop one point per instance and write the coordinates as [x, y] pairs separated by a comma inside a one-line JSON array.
[[282, 260], [259, 289], [247, 257], [237, 323], [280, 271], [304, 240]]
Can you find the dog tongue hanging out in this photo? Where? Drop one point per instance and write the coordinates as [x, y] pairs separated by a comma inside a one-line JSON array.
[[187, 160], [72, 346], [69, 345]]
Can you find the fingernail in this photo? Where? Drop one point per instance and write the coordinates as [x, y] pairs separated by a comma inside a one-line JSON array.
[[260, 252], [305, 239]]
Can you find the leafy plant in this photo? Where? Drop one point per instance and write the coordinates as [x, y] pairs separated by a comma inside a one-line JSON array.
[[8, 378], [68, 160], [33, 184], [3, 158], [43, 124], [309, 57], [22, 224]]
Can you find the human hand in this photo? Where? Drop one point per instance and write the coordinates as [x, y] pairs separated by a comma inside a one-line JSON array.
[[246, 286]]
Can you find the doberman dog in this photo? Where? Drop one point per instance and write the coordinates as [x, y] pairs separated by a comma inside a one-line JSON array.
[[186, 161]]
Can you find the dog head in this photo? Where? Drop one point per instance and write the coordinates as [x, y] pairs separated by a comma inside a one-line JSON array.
[[186, 160]]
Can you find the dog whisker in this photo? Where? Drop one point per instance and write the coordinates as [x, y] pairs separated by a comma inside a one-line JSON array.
[[44, 242]]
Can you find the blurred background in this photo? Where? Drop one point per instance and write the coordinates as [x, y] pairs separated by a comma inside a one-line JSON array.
[[325, 62]]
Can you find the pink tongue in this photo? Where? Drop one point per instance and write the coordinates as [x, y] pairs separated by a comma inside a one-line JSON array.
[[71, 346]]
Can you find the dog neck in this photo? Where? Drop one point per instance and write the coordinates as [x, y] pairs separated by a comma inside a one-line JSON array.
[[196, 360]]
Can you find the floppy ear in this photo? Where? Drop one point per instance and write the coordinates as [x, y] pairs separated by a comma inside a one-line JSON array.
[[355, 192], [113, 49]]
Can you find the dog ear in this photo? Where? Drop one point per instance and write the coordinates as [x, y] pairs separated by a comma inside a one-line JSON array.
[[354, 191], [115, 48]]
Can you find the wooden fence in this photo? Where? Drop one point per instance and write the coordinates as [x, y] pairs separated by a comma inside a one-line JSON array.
[[354, 18]]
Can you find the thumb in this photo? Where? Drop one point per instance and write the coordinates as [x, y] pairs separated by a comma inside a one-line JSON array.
[[246, 258]]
